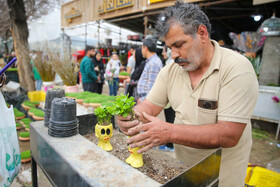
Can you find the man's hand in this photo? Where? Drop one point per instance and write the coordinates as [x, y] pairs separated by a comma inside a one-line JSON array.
[[125, 123], [154, 133]]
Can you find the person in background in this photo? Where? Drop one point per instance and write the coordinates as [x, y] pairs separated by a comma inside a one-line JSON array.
[[37, 76], [99, 71], [87, 70], [213, 91], [131, 60], [169, 113], [112, 74], [132, 81], [13, 54], [151, 70]]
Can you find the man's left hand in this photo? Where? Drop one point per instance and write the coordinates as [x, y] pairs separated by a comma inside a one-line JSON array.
[[154, 133]]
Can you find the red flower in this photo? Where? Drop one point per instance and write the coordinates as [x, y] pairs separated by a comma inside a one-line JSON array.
[[275, 99]]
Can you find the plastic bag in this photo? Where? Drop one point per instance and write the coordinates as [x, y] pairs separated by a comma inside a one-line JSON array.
[[109, 75], [9, 149]]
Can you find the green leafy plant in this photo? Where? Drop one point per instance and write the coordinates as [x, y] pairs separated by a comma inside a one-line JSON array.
[[17, 124], [123, 106], [257, 64], [25, 154], [24, 134], [124, 73], [26, 120], [104, 114]]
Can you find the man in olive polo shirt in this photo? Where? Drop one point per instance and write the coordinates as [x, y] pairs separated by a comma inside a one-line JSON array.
[[212, 90]]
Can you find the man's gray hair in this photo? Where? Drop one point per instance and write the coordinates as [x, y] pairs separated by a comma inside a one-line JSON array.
[[188, 15]]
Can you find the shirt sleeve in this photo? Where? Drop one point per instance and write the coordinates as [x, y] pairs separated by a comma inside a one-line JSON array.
[[237, 98], [152, 74]]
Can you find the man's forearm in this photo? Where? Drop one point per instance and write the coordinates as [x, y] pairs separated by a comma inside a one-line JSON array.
[[207, 136]]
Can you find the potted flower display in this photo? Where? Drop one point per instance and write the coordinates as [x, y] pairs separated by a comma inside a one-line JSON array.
[[104, 127], [123, 107], [65, 67], [45, 70]]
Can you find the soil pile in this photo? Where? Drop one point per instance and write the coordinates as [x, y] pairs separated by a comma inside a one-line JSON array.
[[157, 165]]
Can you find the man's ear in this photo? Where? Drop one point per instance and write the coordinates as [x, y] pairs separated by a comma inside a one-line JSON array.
[[202, 33]]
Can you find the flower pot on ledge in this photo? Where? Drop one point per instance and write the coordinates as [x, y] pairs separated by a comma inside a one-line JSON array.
[[72, 89]]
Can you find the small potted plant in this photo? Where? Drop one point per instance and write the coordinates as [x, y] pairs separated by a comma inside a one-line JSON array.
[[123, 107], [45, 69], [25, 121], [24, 136], [104, 127], [18, 114], [18, 126], [27, 105], [36, 114], [25, 156]]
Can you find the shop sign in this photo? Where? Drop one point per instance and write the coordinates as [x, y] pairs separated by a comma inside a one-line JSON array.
[[73, 13], [154, 1], [111, 5]]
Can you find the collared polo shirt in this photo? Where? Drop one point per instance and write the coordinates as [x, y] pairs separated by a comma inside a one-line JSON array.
[[230, 81], [148, 77]]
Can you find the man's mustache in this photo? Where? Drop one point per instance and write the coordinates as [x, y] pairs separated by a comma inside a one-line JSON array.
[[181, 60]]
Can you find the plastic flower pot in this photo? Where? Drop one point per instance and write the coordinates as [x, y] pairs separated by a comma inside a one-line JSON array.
[[63, 120], [104, 133], [51, 94], [25, 156], [24, 136], [74, 89]]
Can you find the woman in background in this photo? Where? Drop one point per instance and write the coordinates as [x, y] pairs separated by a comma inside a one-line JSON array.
[[99, 70], [112, 74]]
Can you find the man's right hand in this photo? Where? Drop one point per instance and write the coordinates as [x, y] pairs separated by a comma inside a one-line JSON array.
[[125, 123]]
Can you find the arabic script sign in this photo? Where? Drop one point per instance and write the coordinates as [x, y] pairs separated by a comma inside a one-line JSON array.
[[111, 5]]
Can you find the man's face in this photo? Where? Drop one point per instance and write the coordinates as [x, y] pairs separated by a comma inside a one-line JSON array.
[[184, 47], [92, 53]]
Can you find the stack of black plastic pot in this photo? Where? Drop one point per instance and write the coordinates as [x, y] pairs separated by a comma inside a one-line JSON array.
[[51, 94], [63, 120]]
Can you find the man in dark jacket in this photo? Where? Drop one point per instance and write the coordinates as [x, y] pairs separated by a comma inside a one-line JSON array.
[[87, 70]]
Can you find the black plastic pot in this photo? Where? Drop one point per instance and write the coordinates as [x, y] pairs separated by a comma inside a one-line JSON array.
[[63, 121], [51, 94]]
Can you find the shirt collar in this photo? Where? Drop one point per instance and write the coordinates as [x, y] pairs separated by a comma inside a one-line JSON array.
[[151, 57], [216, 59]]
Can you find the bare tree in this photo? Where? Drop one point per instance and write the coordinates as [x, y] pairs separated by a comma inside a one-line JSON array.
[[13, 17]]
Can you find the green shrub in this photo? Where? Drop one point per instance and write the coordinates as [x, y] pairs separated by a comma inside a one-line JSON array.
[[24, 134], [25, 154]]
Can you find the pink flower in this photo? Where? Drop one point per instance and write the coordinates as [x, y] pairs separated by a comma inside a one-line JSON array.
[[275, 99]]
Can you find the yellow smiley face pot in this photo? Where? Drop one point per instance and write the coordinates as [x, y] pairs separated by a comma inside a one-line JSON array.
[[104, 133], [135, 159]]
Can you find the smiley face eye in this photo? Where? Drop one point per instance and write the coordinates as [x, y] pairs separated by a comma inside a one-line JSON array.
[[102, 131], [108, 131]]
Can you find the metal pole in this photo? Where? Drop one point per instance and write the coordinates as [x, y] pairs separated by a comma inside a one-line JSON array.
[[98, 27], [86, 35], [120, 34]]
